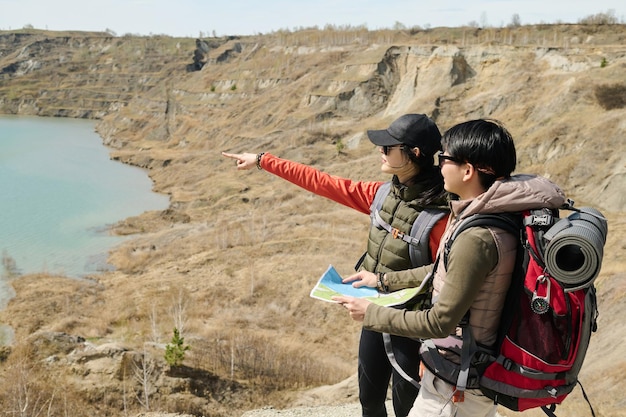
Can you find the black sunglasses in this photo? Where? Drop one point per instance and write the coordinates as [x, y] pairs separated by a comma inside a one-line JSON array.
[[387, 148], [440, 157]]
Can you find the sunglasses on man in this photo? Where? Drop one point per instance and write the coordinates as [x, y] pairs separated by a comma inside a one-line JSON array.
[[440, 157]]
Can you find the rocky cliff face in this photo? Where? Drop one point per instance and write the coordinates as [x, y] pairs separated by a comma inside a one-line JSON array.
[[553, 97], [551, 85], [83, 75], [240, 250]]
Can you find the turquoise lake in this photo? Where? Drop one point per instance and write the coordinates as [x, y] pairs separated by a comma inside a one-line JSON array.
[[59, 193]]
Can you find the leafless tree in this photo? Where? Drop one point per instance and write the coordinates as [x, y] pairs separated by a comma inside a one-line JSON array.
[[178, 311], [153, 324], [144, 370]]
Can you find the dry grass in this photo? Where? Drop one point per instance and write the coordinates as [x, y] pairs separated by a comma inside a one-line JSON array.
[[240, 251], [27, 389]]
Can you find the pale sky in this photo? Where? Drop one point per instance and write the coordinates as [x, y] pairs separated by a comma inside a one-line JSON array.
[[193, 18]]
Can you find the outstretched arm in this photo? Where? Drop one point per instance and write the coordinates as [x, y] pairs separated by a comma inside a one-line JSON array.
[[354, 194]]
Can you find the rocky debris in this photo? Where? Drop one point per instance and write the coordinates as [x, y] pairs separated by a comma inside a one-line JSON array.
[[54, 343], [120, 371], [200, 55], [347, 410]]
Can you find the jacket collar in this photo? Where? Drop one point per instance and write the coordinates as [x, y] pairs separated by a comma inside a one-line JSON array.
[[515, 194]]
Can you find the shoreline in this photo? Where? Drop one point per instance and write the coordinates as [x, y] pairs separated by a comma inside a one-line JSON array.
[[7, 293]]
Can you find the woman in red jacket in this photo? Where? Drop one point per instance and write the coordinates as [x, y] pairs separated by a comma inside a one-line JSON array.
[[407, 150]]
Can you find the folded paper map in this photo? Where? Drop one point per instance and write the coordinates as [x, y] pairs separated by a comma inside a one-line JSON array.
[[330, 285]]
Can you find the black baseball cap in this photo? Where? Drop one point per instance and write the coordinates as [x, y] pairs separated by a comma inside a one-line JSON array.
[[413, 130]]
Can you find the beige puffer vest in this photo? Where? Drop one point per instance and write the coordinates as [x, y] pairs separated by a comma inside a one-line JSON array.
[[487, 307]]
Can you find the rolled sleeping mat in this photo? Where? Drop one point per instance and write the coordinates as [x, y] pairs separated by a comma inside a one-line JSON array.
[[575, 247]]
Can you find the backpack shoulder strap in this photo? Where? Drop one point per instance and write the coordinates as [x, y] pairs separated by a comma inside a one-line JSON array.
[[377, 203], [511, 222], [419, 249], [380, 196]]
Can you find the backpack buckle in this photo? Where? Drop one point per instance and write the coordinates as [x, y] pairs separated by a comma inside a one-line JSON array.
[[396, 233], [482, 358], [458, 396], [507, 364], [540, 220]]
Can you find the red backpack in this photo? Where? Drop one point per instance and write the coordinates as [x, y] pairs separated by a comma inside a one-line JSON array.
[[549, 314]]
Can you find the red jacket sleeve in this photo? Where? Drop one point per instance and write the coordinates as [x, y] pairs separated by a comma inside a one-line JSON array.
[[354, 194]]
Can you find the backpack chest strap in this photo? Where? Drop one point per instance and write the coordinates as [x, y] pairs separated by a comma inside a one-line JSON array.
[[395, 232]]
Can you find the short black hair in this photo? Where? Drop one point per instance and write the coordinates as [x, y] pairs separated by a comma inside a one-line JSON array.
[[484, 143]]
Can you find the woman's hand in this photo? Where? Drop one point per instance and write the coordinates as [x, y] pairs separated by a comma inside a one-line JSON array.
[[362, 279], [355, 306], [243, 160]]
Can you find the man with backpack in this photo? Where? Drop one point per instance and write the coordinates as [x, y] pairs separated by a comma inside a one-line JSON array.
[[470, 285]]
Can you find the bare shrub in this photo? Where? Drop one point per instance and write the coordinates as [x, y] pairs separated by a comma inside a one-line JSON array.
[[611, 96], [607, 18], [264, 360], [154, 326], [178, 310], [144, 376], [10, 269], [28, 389], [516, 21]]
